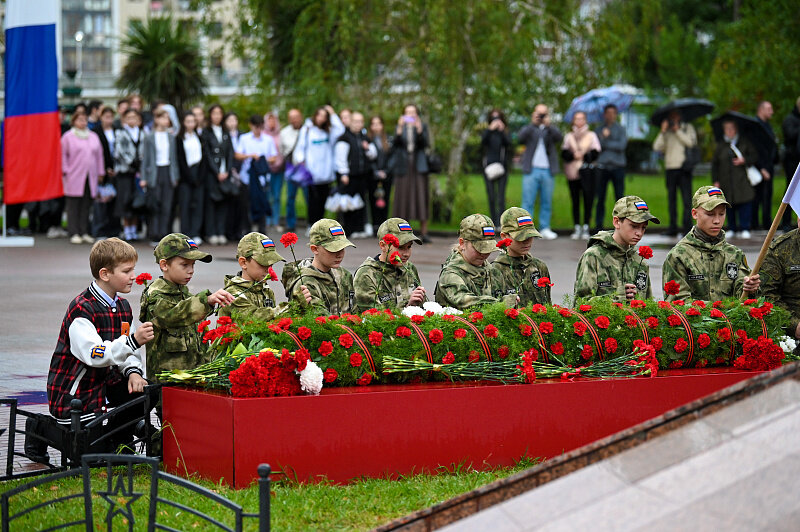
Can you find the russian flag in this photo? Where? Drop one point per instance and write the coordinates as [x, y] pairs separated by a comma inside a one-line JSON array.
[[792, 196], [404, 227], [488, 231], [713, 191], [31, 131], [336, 231], [640, 205]]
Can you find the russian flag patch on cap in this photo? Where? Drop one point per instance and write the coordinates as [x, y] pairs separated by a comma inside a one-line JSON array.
[[488, 231], [336, 231], [404, 227], [641, 206], [524, 220], [191, 243], [714, 191], [267, 243]]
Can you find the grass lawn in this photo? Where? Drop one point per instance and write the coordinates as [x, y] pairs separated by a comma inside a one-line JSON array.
[[361, 505]]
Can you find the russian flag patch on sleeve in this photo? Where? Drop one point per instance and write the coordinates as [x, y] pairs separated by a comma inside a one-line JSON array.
[[267, 243], [522, 221], [641, 206], [488, 231], [404, 227], [336, 231]]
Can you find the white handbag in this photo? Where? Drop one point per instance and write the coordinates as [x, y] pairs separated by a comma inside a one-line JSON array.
[[494, 171], [753, 173]]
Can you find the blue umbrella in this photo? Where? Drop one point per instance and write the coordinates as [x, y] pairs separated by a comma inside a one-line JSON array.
[[593, 102]]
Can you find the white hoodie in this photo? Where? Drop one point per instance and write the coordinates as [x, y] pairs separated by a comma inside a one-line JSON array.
[[315, 148]]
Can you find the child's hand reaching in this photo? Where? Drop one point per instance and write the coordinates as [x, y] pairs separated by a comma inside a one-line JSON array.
[[306, 294], [144, 333], [221, 297], [136, 383]]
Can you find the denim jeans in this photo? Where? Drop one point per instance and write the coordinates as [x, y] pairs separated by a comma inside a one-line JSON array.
[[617, 177], [291, 198], [275, 186], [538, 180], [739, 217]]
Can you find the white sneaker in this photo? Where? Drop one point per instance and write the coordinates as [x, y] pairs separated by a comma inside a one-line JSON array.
[[729, 235], [75, 239], [585, 232], [221, 240], [88, 239], [548, 234], [368, 231], [197, 240], [278, 228], [745, 235], [576, 234], [53, 232], [213, 240]]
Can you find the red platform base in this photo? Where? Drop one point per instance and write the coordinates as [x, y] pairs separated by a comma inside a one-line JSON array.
[[388, 430]]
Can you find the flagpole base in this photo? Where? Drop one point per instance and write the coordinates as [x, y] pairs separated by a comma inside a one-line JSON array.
[[16, 241]]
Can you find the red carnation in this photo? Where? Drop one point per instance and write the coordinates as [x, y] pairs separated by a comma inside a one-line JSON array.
[[375, 338], [716, 304], [657, 343], [436, 335], [611, 345], [525, 330], [630, 321], [449, 317], [320, 319], [272, 275], [203, 325], [304, 333], [645, 252], [681, 345], [579, 328], [741, 336], [638, 303], [503, 351], [676, 364], [356, 359], [416, 318], [403, 332], [564, 312], [602, 322], [330, 375], [325, 348], [504, 243], [538, 308], [701, 363], [755, 312], [476, 317], [395, 258], [618, 304], [142, 278], [543, 282], [679, 302], [557, 348], [715, 313], [546, 327], [724, 334], [302, 356], [512, 313], [663, 304], [285, 323], [449, 358], [652, 322], [365, 379], [749, 301], [699, 303], [672, 288], [673, 320], [585, 308], [224, 320], [587, 352], [288, 239], [473, 356], [490, 331], [346, 341], [692, 312], [391, 240], [459, 333], [703, 340]]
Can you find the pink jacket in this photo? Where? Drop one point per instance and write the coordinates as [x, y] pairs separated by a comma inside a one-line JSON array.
[[79, 158], [579, 141]]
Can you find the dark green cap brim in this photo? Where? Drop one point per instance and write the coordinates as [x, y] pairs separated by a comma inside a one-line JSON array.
[[484, 246], [643, 217], [195, 254], [337, 245], [524, 233], [267, 258]]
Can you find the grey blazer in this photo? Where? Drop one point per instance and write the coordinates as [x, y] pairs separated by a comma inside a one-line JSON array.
[[149, 170], [529, 136]]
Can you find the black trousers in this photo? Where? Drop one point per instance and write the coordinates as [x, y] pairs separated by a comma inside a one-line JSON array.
[[617, 177], [317, 195], [583, 187], [679, 179], [496, 194], [159, 221], [78, 210], [762, 205], [190, 204]]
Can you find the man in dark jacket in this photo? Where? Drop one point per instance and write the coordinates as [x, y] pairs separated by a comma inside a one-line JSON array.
[[791, 157], [767, 157], [611, 161], [540, 165]]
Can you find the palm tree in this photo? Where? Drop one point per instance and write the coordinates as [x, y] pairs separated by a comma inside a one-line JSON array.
[[163, 62]]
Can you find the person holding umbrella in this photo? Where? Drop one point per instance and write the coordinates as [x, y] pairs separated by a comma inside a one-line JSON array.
[[673, 140], [732, 156]]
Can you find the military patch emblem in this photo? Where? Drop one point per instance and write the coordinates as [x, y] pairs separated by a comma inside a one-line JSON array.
[[336, 231], [352, 296], [604, 284], [267, 243], [640, 206], [794, 268], [535, 278], [269, 303], [714, 191], [732, 270], [510, 291], [522, 221], [384, 298], [404, 227], [98, 351], [488, 231], [641, 281], [191, 243], [697, 277]]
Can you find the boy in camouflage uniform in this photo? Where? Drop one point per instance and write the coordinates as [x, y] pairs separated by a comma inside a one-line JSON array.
[[467, 279], [610, 266], [520, 270], [329, 285], [174, 311], [705, 265], [379, 283], [781, 271]]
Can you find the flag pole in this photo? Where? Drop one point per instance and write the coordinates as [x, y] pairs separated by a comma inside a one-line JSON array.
[[767, 241]]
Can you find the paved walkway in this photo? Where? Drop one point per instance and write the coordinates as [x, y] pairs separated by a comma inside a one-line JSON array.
[[736, 469]]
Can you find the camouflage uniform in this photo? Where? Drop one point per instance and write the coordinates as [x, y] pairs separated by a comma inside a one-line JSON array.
[[606, 267], [462, 285], [396, 282], [174, 313], [331, 292], [521, 274], [781, 277], [253, 300]]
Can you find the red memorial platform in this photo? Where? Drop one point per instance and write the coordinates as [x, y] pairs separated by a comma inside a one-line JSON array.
[[388, 430]]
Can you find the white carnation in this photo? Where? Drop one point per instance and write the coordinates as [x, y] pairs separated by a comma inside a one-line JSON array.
[[787, 343], [413, 311], [451, 310], [311, 379], [432, 306]]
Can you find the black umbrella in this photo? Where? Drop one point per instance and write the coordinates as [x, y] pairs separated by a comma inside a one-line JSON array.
[[749, 127], [689, 108]]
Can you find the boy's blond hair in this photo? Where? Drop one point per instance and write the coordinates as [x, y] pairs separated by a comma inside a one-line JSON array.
[[109, 254]]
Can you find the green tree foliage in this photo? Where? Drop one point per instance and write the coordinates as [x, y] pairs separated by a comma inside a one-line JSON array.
[[755, 59], [163, 62]]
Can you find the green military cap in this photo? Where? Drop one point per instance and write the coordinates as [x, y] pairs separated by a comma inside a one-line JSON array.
[[518, 223], [479, 229], [179, 245], [260, 248], [399, 228], [329, 234], [635, 209], [708, 198]]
